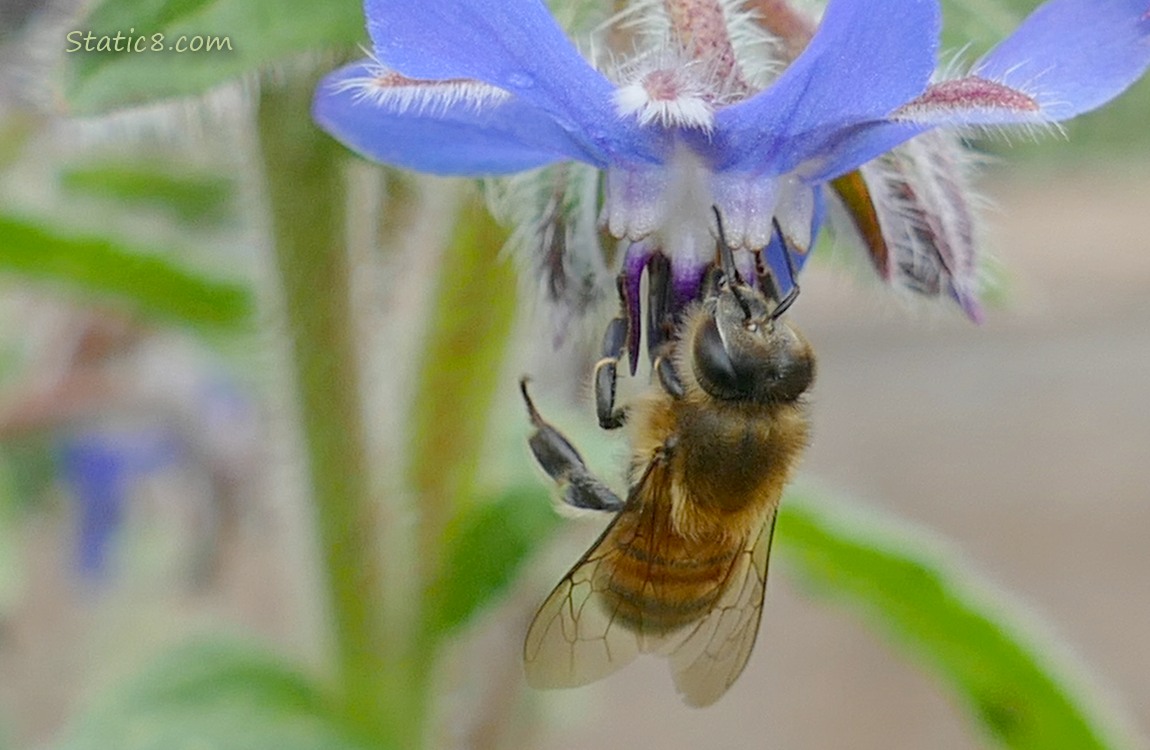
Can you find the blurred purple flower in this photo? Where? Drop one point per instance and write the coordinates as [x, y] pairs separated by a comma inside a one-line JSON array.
[[206, 423], [101, 467], [488, 87]]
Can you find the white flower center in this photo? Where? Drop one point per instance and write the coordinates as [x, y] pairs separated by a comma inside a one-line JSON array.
[[670, 205]]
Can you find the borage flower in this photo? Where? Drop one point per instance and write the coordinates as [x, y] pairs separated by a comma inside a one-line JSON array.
[[490, 87]]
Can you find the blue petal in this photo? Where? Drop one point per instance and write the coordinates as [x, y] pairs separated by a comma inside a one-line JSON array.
[[456, 138], [867, 58], [515, 45], [1069, 56], [1074, 55], [850, 148]]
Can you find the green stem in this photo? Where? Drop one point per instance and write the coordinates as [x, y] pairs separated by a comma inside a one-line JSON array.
[[306, 191], [467, 339]]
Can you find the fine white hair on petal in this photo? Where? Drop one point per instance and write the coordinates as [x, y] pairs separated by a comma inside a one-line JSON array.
[[667, 87], [994, 105], [1027, 131], [928, 213], [656, 98], [401, 95], [953, 64], [759, 53], [646, 20]]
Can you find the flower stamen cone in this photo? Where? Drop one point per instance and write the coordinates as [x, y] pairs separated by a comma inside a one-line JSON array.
[[700, 28], [670, 97]]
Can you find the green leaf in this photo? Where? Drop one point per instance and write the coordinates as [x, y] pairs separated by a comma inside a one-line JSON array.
[[194, 200], [153, 284], [929, 603], [215, 696], [253, 34], [486, 547]]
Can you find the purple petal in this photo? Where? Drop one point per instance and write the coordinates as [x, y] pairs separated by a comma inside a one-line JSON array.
[[457, 136], [866, 59], [514, 45], [638, 255], [98, 479], [1073, 55], [100, 467]]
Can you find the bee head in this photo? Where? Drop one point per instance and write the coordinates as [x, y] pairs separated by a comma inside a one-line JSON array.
[[742, 350]]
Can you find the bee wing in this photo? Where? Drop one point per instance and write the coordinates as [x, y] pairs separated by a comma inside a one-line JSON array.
[[573, 639], [712, 656], [577, 636]]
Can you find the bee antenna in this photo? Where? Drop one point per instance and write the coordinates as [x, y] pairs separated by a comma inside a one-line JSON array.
[[786, 302], [726, 255]]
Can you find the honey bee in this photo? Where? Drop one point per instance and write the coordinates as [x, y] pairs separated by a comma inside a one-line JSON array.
[[681, 569]]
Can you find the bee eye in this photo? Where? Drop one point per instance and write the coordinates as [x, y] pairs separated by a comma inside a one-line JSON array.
[[713, 364]]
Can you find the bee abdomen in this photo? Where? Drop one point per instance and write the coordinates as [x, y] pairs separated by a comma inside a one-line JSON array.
[[656, 594]]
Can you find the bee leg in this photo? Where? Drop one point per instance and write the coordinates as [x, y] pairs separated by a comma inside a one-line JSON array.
[[766, 279], [712, 282], [660, 316], [606, 370], [661, 325], [668, 376], [562, 462]]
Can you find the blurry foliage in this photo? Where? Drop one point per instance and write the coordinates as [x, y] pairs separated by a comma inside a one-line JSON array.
[[465, 341], [27, 468], [930, 604], [261, 32], [197, 201], [226, 695], [144, 278], [12, 510], [487, 545], [216, 695]]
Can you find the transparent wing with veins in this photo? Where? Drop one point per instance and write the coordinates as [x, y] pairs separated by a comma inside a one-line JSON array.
[[578, 635], [715, 652]]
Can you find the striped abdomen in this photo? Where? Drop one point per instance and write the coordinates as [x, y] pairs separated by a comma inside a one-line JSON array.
[[655, 581]]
